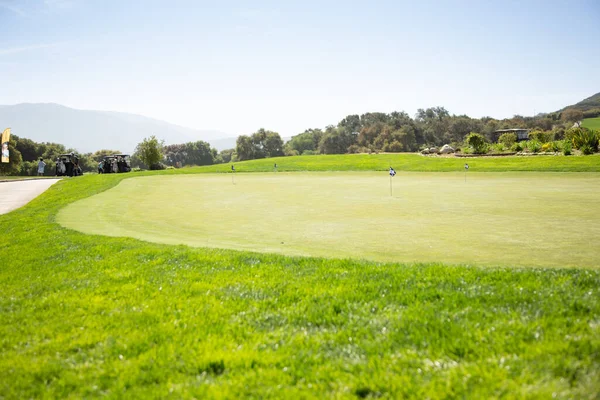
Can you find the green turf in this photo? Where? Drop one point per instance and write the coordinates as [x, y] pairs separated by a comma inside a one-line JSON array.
[[512, 219], [411, 162], [85, 316], [591, 123]]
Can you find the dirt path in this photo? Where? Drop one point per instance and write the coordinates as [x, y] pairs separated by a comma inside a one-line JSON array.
[[16, 194]]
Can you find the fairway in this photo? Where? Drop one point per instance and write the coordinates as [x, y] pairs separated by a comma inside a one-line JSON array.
[[510, 219], [591, 123]]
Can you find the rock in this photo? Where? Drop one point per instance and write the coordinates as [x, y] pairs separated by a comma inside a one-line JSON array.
[[433, 150], [446, 149], [425, 151]]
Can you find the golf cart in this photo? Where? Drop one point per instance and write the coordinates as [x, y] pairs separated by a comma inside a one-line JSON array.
[[68, 165], [115, 164]]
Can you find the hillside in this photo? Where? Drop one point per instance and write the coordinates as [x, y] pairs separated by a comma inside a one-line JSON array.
[[87, 130], [586, 104]]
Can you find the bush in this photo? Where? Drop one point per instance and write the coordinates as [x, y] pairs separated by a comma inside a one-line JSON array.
[[555, 146], [567, 147], [541, 136], [586, 149], [507, 139], [310, 153], [477, 142], [353, 149], [516, 147], [587, 138], [136, 169], [534, 146], [497, 147], [546, 147], [157, 166]]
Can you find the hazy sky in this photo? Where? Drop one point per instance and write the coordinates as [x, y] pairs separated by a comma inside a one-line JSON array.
[[236, 66]]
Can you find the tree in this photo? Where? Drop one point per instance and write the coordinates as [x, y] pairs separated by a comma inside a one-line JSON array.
[[306, 141], [226, 155], [150, 152], [244, 148], [572, 115], [100, 154], [260, 144], [336, 141], [477, 142], [507, 139]]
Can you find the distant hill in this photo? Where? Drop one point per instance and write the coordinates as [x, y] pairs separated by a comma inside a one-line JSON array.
[[88, 131], [590, 103]]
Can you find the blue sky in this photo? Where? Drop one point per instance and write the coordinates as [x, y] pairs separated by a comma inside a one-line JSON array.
[[236, 66]]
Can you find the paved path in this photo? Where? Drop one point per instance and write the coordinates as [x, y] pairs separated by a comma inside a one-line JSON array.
[[16, 194]]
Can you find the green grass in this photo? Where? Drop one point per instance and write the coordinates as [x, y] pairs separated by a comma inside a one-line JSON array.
[[512, 219], [93, 316], [410, 162], [591, 123]]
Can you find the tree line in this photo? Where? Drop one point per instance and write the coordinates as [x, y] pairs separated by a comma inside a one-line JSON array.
[[366, 133]]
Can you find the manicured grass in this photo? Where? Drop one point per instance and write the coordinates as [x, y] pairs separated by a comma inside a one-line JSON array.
[[501, 219], [410, 162], [84, 316], [591, 123]]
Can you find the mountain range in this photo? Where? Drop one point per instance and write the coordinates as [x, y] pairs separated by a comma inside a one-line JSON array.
[[592, 102], [88, 130]]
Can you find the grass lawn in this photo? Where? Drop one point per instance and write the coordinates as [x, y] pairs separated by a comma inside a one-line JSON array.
[[88, 316], [501, 219], [591, 123], [410, 162]]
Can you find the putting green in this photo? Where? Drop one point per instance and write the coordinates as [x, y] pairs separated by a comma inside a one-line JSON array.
[[510, 219]]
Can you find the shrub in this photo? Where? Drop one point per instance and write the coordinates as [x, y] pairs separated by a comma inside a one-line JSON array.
[[588, 138], [353, 149], [516, 147], [586, 149], [507, 139], [497, 147], [477, 143], [567, 147], [555, 146], [170, 167], [157, 166], [546, 147], [541, 136], [534, 146]]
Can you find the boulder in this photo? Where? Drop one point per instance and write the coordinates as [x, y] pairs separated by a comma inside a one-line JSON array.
[[425, 151], [446, 149], [433, 150]]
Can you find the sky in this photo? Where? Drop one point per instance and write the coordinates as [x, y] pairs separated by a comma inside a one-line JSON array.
[[237, 66]]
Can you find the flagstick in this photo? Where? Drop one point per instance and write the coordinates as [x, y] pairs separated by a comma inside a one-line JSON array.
[[465, 176], [390, 185]]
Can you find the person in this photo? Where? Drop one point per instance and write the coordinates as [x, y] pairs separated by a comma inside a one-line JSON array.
[[100, 170], [41, 166]]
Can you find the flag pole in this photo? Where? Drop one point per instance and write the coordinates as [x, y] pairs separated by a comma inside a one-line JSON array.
[[390, 185]]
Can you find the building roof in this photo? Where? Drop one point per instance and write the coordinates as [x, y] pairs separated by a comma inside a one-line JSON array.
[[512, 130]]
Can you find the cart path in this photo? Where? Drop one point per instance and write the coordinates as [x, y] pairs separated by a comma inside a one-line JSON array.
[[16, 194]]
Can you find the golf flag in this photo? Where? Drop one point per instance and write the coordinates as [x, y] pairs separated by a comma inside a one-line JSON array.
[[4, 141], [392, 172], [466, 166]]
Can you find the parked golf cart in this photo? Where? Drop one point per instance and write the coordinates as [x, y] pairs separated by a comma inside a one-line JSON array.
[[116, 163], [68, 165]]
